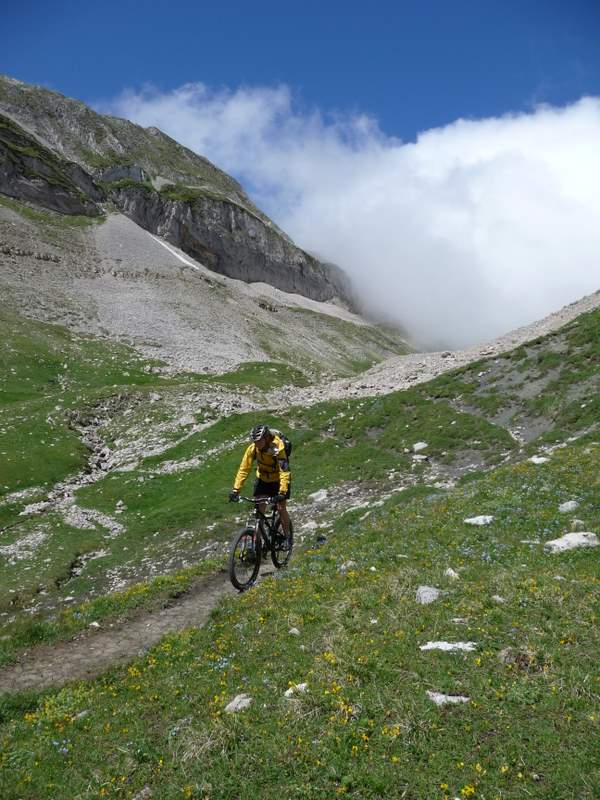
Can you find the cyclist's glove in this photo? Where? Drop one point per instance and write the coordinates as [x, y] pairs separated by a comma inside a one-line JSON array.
[[234, 496], [279, 498]]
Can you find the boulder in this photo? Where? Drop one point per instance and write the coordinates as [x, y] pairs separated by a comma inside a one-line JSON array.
[[443, 699], [570, 541], [239, 703], [483, 519], [427, 594]]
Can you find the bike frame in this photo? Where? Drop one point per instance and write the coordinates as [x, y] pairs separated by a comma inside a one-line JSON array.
[[259, 536], [258, 516]]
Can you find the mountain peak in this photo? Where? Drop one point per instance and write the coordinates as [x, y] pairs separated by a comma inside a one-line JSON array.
[[164, 187]]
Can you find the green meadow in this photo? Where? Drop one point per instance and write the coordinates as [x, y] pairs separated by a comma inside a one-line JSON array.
[[526, 721]]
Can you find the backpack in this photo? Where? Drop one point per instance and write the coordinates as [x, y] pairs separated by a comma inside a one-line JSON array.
[[286, 442]]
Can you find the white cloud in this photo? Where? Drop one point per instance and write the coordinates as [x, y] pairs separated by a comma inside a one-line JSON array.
[[473, 229]]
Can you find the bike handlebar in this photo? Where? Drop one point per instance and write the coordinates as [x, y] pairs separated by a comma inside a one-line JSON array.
[[257, 500]]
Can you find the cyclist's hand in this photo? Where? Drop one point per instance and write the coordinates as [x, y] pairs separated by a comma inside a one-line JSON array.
[[279, 498], [234, 496]]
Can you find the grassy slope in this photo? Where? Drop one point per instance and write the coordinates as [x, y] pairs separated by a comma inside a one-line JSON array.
[[47, 374], [335, 442], [344, 349], [549, 387], [366, 728]]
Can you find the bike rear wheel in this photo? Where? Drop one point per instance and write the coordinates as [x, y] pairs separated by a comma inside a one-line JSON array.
[[244, 559], [282, 544]]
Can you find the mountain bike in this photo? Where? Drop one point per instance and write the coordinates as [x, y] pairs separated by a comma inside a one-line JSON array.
[[262, 533]]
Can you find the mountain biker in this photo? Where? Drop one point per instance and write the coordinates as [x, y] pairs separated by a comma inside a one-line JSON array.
[[273, 476]]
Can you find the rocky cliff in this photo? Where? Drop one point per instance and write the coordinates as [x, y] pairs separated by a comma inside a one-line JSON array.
[[30, 171], [228, 239], [161, 185]]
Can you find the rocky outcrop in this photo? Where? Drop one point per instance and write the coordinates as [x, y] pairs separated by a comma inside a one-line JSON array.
[[131, 172], [101, 143], [229, 239], [31, 172], [161, 185]]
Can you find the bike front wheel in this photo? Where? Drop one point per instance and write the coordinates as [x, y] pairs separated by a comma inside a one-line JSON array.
[[282, 544], [244, 559]]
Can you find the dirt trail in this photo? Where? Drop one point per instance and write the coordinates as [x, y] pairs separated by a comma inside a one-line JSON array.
[[96, 650]]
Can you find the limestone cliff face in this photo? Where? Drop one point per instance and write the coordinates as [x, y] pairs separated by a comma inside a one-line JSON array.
[[230, 240], [29, 171], [165, 188]]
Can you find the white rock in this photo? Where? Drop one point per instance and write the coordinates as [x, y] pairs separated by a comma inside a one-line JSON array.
[[347, 565], [355, 508], [239, 703], [569, 505], [299, 688], [441, 699], [427, 594], [373, 569], [483, 519], [539, 459], [294, 632], [450, 573], [318, 497], [420, 458], [144, 794], [572, 540], [498, 598], [94, 624], [448, 646], [418, 446]]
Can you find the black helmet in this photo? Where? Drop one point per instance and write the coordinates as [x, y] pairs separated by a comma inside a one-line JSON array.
[[258, 431]]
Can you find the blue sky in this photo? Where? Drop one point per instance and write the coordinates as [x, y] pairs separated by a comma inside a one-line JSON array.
[[410, 65]]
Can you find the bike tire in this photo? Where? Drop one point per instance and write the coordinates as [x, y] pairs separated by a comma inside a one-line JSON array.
[[244, 567], [281, 545]]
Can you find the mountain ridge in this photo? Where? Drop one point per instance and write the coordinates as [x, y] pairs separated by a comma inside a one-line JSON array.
[[171, 191]]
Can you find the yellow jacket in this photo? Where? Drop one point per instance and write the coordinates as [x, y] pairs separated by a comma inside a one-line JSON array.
[[271, 465]]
